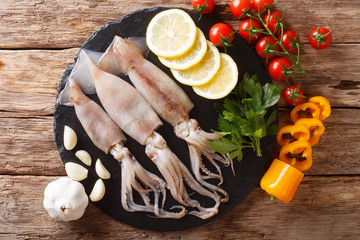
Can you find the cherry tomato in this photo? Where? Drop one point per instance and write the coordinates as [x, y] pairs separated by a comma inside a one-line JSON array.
[[272, 22], [320, 38], [293, 95], [220, 30], [198, 6], [258, 4], [276, 68], [261, 46], [237, 7], [246, 24], [287, 38]]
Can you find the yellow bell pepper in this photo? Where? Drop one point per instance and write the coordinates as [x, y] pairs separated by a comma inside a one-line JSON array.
[[290, 132], [323, 104], [314, 111], [298, 154], [315, 126], [281, 180]]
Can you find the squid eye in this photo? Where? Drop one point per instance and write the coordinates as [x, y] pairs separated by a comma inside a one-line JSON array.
[[153, 158]]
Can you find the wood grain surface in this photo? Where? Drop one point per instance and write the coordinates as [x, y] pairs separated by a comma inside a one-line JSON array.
[[67, 23], [334, 211], [39, 38]]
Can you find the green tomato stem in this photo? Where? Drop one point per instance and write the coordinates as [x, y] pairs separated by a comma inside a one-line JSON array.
[[286, 53]]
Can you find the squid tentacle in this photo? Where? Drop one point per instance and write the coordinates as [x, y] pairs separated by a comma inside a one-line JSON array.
[[175, 174], [199, 177], [131, 171], [197, 165], [198, 144], [204, 213]]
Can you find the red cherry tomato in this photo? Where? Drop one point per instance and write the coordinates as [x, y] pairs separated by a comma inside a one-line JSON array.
[[258, 4], [246, 24], [237, 7], [276, 68], [220, 30], [293, 95], [272, 22], [286, 41], [209, 6], [261, 46], [320, 38]]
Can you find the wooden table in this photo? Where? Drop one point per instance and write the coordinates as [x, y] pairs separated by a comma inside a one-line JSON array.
[[39, 38]]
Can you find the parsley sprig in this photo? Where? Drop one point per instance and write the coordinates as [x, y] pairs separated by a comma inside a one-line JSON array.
[[246, 116]]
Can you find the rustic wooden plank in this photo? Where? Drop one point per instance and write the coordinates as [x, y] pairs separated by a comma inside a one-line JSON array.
[[28, 147], [22, 22], [303, 16], [29, 78], [333, 74], [323, 208]]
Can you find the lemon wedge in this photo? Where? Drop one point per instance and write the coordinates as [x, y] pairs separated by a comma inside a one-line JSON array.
[[223, 82], [171, 33], [202, 72], [191, 57]]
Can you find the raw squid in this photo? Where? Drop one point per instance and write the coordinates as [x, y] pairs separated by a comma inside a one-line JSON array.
[[130, 110], [108, 137], [170, 102], [81, 74]]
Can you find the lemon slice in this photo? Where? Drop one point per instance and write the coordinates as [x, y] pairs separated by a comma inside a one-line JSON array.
[[171, 33], [223, 82], [191, 57], [202, 72]]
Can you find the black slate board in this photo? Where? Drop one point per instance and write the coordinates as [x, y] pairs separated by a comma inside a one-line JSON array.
[[248, 172]]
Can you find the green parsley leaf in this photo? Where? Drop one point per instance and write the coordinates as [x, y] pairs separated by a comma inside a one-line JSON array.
[[246, 116]]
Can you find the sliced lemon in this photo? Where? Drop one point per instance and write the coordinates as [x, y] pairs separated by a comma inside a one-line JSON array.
[[171, 33], [223, 82], [202, 72], [191, 57]]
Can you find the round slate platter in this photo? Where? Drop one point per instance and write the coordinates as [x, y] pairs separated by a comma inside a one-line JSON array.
[[247, 173]]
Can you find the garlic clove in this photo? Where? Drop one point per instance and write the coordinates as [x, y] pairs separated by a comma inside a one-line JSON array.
[[65, 199], [84, 156], [70, 138], [75, 171], [101, 170], [98, 191]]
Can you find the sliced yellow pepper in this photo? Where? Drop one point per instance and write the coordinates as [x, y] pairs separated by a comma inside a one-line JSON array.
[[315, 126], [323, 104], [281, 180], [298, 154], [289, 132], [314, 111]]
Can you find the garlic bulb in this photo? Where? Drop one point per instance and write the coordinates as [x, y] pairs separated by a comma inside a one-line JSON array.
[[65, 199]]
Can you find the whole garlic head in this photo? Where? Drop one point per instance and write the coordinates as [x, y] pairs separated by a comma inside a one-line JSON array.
[[65, 199]]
